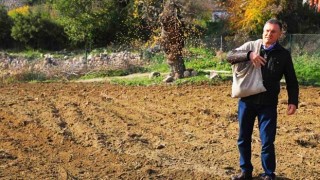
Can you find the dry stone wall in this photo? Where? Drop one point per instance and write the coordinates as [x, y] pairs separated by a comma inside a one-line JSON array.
[[75, 65]]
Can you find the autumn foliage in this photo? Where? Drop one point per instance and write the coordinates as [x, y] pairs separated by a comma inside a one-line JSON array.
[[248, 17], [24, 10]]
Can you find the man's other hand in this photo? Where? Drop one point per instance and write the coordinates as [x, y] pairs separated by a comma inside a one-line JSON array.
[[291, 109]]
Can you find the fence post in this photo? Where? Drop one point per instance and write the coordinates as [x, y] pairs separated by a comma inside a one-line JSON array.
[[290, 42], [221, 43]]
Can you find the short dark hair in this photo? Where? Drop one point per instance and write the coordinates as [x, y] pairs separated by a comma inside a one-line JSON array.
[[275, 21]]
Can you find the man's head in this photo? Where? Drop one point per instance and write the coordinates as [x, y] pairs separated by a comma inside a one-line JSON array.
[[272, 31]]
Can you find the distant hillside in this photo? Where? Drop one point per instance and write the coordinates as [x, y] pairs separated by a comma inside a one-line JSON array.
[[11, 4]]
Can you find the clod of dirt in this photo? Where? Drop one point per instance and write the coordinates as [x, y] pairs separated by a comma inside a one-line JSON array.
[[160, 146], [134, 135], [309, 140], [5, 155], [151, 171]]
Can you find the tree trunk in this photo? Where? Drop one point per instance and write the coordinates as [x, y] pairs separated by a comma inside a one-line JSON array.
[[172, 38], [177, 68]]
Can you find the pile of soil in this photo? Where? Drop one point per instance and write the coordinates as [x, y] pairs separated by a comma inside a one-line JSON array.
[[101, 131]]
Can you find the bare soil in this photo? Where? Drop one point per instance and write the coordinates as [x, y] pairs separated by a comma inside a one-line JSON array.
[[101, 131]]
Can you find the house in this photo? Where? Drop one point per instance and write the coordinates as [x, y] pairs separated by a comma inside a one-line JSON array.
[[12, 4], [219, 14]]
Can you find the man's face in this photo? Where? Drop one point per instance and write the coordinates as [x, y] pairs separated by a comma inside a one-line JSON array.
[[271, 34]]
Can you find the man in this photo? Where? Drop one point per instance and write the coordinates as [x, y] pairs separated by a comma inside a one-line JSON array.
[[274, 62]]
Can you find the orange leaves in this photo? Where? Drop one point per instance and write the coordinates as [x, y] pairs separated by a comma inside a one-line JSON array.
[[249, 16]]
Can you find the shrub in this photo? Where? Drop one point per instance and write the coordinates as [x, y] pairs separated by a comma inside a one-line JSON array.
[[25, 76], [5, 28], [37, 32], [307, 69]]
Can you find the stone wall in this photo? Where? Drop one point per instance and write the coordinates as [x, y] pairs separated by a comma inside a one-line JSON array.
[[77, 65]]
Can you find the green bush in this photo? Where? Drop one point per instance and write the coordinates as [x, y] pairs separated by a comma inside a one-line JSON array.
[[307, 69], [37, 32], [5, 28], [27, 77]]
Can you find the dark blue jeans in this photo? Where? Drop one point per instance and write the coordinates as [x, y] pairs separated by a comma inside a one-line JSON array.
[[267, 121]]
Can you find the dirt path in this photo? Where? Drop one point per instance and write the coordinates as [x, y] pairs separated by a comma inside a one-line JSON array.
[[102, 131], [107, 79], [137, 75]]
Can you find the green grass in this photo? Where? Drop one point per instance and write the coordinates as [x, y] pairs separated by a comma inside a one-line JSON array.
[[201, 78], [196, 58], [113, 72], [205, 64], [204, 52], [105, 73], [163, 67], [307, 69], [28, 54], [138, 81]]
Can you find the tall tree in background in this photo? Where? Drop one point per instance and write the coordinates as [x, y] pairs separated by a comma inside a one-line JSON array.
[[195, 13], [144, 18], [247, 17], [300, 17], [91, 21], [78, 19]]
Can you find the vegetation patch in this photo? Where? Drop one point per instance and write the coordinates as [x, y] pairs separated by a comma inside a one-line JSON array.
[[137, 81], [308, 69]]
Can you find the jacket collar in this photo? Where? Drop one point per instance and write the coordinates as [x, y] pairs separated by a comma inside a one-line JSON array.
[[274, 46], [270, 47]]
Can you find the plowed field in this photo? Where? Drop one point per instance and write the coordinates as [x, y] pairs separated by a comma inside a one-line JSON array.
[[101, 131]]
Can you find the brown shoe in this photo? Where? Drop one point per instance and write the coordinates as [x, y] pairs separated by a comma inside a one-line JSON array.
[[243, 176]]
